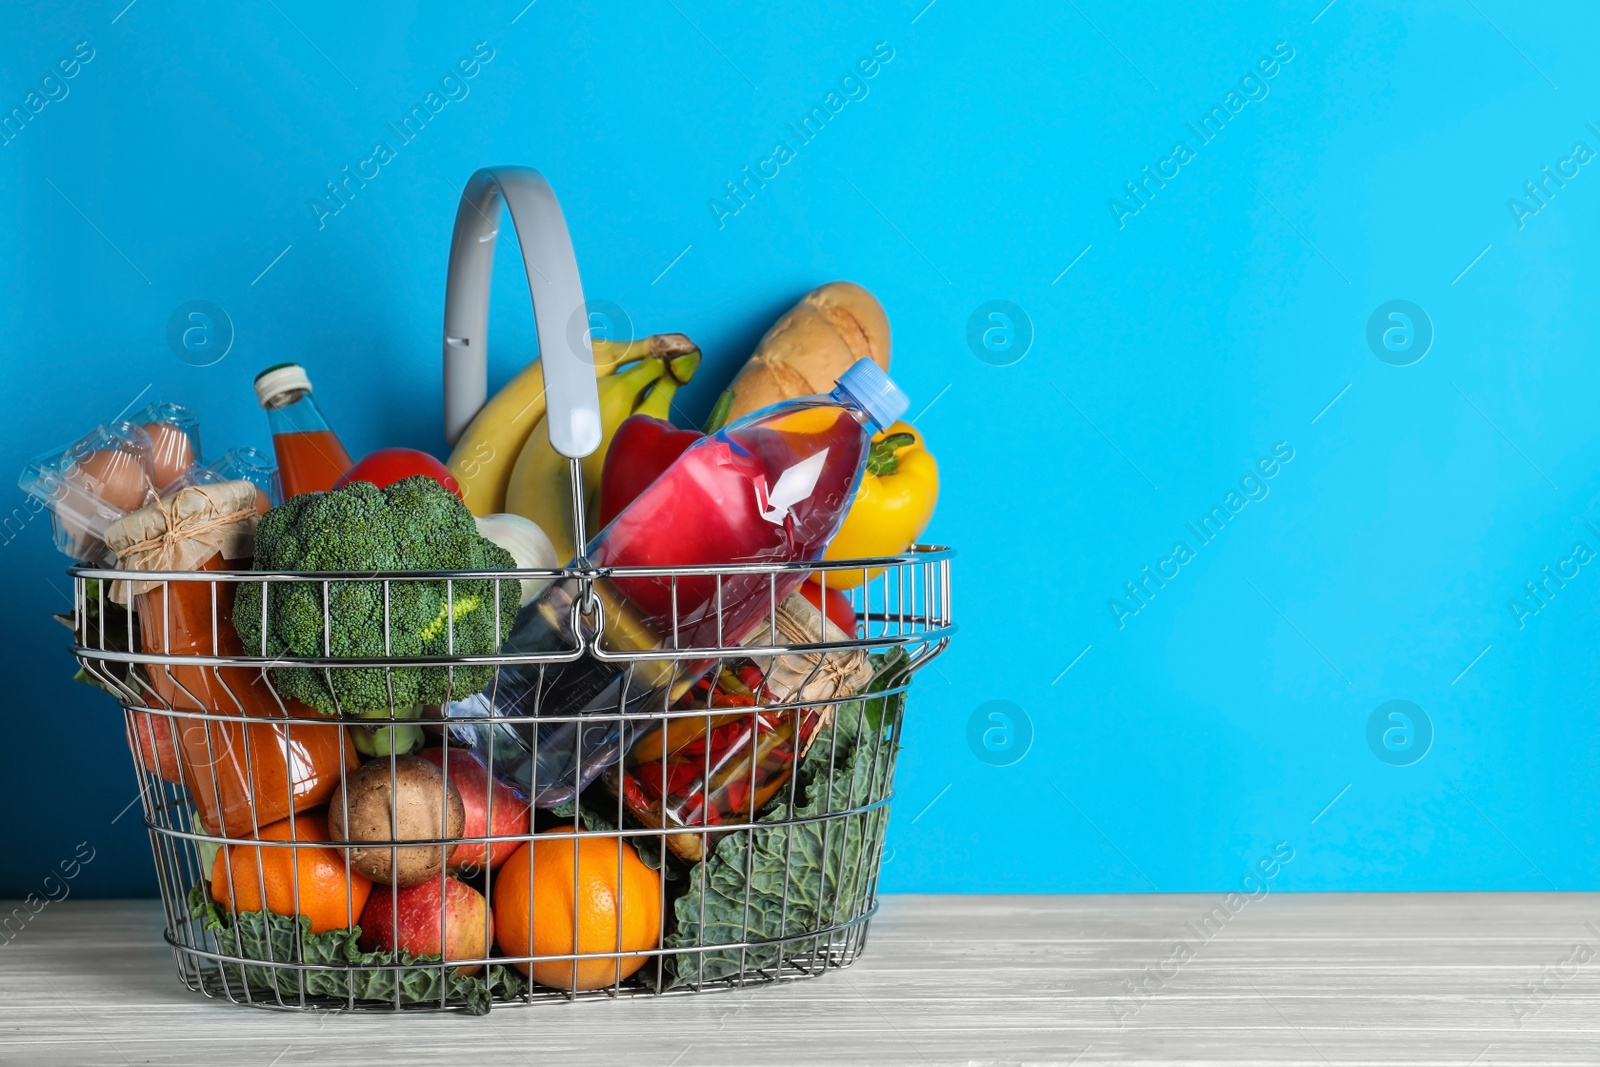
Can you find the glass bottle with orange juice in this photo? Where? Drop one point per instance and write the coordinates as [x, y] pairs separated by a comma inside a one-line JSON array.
[[310, 455]]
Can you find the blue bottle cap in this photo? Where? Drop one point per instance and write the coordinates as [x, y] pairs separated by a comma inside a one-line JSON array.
[[879, 397]]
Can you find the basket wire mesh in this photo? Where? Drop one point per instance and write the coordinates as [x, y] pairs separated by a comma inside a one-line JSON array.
[[782, 889]]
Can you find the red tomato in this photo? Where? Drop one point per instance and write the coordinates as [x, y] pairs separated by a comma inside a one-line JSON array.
[[838, 609], [389, 465]]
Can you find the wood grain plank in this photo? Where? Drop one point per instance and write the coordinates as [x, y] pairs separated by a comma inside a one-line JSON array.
[[1293, 979]]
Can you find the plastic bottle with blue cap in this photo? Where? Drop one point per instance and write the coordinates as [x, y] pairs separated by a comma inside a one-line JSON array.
[[772, 487]]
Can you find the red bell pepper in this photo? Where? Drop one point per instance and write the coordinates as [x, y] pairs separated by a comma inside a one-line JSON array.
[[643, 447], [681, 776]]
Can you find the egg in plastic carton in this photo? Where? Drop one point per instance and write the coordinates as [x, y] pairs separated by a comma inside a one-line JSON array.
[[237, 464], [92, 483], [174, 433]]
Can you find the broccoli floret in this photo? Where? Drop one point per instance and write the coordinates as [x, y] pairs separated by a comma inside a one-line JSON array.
[[412, 525]]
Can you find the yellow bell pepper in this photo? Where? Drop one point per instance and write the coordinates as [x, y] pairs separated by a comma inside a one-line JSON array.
[[898, 491]]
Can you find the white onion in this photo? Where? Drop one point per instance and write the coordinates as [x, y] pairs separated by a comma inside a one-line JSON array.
[[528, 545]]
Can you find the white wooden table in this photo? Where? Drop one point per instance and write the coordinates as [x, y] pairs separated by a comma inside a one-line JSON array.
[[1454, 979]]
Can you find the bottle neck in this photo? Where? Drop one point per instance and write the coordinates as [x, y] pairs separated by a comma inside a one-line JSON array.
[[294, 411], [846, 400]]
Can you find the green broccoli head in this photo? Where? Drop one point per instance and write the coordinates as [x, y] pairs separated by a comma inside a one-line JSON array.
[[412, 525]]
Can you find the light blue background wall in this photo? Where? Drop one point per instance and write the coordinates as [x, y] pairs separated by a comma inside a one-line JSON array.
[[1220, 319]]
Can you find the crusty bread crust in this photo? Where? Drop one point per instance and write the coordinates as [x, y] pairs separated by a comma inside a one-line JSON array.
[[807, 349]]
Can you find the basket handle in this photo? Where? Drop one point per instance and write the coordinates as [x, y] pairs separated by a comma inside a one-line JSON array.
[[558, 307]]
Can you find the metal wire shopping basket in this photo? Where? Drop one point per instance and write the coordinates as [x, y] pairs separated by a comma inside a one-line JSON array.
[[713, 870]]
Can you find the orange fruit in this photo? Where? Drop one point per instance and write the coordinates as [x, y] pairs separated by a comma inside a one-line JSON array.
[[534, 908], [330, 898]]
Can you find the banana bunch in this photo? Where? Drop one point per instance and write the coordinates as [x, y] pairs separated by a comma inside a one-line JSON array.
[[541, 481], [493, 443]]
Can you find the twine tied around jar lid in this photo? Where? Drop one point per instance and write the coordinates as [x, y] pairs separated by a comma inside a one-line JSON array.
[[183, 531]]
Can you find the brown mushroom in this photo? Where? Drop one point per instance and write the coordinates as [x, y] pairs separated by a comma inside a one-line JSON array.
[[380, 809]]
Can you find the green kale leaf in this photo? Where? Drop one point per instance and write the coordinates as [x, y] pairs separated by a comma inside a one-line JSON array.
[[343, 972]]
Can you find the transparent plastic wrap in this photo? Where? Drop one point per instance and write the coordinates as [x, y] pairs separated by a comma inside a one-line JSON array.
[[174, 433], [238, 464], [92, 483]]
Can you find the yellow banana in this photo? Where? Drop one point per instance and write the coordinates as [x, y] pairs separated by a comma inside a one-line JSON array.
[[657, 403], [681, 368], [483, 459], [541, 483]]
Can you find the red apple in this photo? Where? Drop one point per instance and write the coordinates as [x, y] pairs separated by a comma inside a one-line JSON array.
[[408, 920], [151, 738], [511, 813]]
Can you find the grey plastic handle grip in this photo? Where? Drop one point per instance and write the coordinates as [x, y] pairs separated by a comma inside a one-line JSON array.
[[573, 397]]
